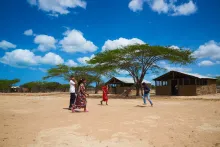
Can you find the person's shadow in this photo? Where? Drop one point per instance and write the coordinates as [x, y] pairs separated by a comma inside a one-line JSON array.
[[102, 105], [76, 111], [141, 106]]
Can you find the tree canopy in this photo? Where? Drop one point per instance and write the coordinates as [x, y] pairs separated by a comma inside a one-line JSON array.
[[92, 74], [5, 85], [138, 59], [43, 86]]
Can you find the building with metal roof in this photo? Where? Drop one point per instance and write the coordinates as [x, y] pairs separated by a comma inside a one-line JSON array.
[[118, 85], [184, 84]]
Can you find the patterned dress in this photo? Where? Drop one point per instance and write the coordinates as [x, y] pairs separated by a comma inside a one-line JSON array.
[[81, 97]]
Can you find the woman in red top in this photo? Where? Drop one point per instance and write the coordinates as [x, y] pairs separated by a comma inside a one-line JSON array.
[[105, 94]]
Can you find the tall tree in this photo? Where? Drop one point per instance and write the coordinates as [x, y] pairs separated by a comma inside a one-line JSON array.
[[65, 72], [91, 73], [5, 85], [138, 59]]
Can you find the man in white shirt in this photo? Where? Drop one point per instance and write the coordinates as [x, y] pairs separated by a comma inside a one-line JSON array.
[[72, 91]]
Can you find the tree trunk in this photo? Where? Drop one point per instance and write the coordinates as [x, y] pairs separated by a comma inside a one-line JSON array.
[[138, 88], [96, 88]]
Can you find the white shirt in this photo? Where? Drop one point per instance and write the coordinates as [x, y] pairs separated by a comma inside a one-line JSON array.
[[72, 86]]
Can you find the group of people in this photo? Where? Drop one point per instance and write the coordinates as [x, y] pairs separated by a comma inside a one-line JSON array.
[[78, 101], [78, 96]]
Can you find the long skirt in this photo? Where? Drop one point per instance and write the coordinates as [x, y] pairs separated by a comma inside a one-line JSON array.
[[80, 101]]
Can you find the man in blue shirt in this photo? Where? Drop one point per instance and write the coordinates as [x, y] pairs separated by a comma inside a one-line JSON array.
[[146, 93]]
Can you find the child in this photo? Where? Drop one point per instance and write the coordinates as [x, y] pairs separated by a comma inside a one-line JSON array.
[[105, 94]]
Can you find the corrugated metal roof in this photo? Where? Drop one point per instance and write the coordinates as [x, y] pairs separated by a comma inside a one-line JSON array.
[[15, 87], [129, 80], [190, 74], [196, 75]]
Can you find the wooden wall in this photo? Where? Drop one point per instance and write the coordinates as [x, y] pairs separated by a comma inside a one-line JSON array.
[[187, 90], [163, 90], [207, 89]]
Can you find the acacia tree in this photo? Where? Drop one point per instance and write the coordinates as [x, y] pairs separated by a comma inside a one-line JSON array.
[[65, 72], [5, 85], [138, 59], [91, 73]]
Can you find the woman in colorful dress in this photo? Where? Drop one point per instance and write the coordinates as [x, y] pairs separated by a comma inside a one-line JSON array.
[[81, 101], [105, 94]]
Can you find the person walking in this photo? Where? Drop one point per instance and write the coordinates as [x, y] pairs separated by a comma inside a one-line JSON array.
[[81, 101], [105, 94], [72, 91], [146, 94]]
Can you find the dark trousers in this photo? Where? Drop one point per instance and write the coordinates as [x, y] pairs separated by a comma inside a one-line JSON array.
[[72, 99]]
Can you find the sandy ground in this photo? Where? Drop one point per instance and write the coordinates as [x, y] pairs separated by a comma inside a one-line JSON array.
[[41, 120]]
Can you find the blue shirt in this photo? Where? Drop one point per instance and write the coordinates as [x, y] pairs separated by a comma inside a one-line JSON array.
[[146, 90]]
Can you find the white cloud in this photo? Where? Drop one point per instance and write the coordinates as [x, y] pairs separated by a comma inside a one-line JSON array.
[[210, 49], [6, 45], [53, 15], [51, 59], [136, 5], [174, 47], [45, 42], [159, 6], [121, 42], [28, 32], [165, 6], [32, 2], [185, 9], [41, 69], [83, 60], [71, 63], [20, 58], [56, 7], [75, 42], [24, 58], [122, 72], [167, 66], [206, 63]]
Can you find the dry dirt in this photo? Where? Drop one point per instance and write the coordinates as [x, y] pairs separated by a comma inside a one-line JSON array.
[[42, 120]]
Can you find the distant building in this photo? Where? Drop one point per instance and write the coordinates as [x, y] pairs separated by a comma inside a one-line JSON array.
[[15, 89], [184, 84], [118, 85]]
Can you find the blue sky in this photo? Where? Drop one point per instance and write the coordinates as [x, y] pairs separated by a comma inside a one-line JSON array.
[[38, 34]]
